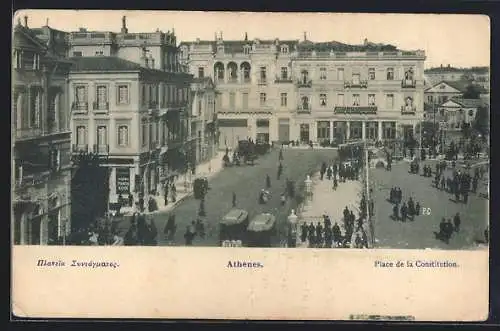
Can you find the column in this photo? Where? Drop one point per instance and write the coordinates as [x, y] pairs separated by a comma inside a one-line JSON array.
[[348, 130], [331, 131], [112, 186], [160, 95], [379, 130], [313, 131], [20, 109], [57, 119], [363, 130]]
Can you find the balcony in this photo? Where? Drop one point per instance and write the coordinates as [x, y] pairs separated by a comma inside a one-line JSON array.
[[304, 83], [283, 80], [355, 110], [356, 84], [262, 81], [408, 110], [101, 149], [306, 109], [80, 107], [99, 107], [408, 83], [29, 133], [82, 148]]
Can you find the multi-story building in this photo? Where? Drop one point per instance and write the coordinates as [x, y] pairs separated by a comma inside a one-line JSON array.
[[476, 75], [281, 90], [132, 114], [203, 119], [41, 140]]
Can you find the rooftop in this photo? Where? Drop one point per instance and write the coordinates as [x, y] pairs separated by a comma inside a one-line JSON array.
[[469, 103], [448, 68], [461, 85]]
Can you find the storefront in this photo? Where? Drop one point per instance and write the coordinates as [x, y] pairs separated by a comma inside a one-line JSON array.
[[231, 131], [262, 130]]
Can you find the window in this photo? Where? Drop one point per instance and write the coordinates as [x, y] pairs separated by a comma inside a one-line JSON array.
[[371, 73], [355, 99], [322, 100], [232, 97], [122, 94], [102, 135], [262, 99], [340, 100], [355, 79], [35, 104], [390, 101], [144, 133], [18, 59], [201, 72], [284, 49], [283, 100], [244, 100], [36, 61], [81, 95], [263, 76], [81, 135], [122, 135], [390, 73], [284, 72], [322, 73], [101, 97], [430, 99], [101, 53], [323, 131], [305, 102], [246, 50], [340, 74], [304, 76], [77, 54], [371, 99]]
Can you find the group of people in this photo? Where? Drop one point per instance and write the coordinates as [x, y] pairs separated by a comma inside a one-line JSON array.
[[460, 184], [447, 228], [408, 210], [141, 232]]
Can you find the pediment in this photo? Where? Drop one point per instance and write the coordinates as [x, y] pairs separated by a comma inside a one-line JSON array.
[[442, 87]]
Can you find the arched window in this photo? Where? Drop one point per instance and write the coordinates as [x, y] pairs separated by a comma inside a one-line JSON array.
[[245, 69], [219, 71], [233, 71]]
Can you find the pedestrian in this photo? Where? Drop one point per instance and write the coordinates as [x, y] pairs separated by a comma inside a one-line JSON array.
[[449, 230], [456, 222], [130, 199], [336, 232], [281, 154], [303, 232], [442, 230], [411, 208], [371, 207], [188, 236], [311, 235], [319, 234], [280, 171], [268, 181], [335, 183], [404, 212], [234, 199], [417, 208], [395, 212], [329, 173], [323, 170]]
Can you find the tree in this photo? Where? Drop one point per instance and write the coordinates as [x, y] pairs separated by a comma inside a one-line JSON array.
[[89, 190], [481, 123], [471, 92]]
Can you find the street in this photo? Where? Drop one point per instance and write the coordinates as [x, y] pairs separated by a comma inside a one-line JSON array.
[[419, 233], [246, 182]]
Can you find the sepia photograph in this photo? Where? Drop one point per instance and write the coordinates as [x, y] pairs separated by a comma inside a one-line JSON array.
[[304, 132]]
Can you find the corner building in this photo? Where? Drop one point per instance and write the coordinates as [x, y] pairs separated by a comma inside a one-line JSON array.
[[282, 90]]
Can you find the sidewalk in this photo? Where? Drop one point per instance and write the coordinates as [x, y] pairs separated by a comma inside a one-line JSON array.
[[184, 188], [325, 200]]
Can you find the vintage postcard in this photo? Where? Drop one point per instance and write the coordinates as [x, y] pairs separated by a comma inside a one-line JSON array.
[[224, 165]]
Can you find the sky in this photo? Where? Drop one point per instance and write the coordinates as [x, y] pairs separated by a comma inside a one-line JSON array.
[[455, 39]]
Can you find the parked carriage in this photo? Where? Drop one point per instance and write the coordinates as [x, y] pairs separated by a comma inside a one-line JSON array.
[[233, 226], [261, 230]]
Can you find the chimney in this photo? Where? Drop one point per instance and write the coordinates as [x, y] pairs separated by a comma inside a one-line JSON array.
[[25, 21], [305, 35], [124, 25], [246, 36]]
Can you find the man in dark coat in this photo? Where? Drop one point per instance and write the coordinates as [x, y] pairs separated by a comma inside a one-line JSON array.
[[234, 199], [188, 236], [336, 232], [268, 181], [303, 232], [395, 212], [404, 212], [456, 222]]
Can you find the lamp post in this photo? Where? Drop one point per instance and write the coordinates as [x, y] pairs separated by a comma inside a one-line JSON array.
[[292, 229]]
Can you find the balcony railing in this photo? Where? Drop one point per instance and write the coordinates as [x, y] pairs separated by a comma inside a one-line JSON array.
[[408, 110], [358, 84], [101, 149], [355, 110], [262, 81], [282, 80], [304, 109], [408, 83], [80, 148], [304, 83], [100, 106], [80, 106], [152, 105], [28, 133]]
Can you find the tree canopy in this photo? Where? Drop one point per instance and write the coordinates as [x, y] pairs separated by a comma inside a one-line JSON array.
[[481, 122], [471, 92]]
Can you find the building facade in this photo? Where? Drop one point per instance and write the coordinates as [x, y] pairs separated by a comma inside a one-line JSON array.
[[203, 127], [133, 115], [41, 140], [282, 90]]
